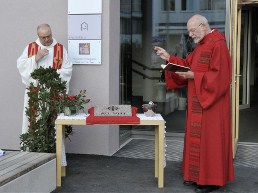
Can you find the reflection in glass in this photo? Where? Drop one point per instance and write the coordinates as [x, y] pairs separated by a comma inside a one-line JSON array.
[[159, 23]]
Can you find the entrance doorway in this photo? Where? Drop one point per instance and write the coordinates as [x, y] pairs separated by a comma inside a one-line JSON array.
[[248, 92]]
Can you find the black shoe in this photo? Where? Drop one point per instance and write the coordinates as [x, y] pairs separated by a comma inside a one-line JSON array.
[[189, 183], [205, 189]]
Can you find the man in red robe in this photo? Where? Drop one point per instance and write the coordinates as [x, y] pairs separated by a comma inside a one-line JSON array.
[[208, 157]]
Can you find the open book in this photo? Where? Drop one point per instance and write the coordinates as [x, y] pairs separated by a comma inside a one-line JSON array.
[[174, 67]]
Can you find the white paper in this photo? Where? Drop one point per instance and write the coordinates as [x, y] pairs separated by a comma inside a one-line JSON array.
[[2, 152]]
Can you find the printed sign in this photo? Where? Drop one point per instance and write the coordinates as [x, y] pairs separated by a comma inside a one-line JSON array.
[[84, 27], [85, 51]]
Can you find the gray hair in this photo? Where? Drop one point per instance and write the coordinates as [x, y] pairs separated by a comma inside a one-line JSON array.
[[200, 19], [42, 26]]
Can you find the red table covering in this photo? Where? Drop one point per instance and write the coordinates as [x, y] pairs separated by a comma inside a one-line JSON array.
[[91, 119]]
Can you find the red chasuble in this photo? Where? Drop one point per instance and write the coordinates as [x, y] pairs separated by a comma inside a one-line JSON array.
[[207, 158], [58, 53]]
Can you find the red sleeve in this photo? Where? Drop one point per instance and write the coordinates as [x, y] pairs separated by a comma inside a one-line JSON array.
[[173, 80]]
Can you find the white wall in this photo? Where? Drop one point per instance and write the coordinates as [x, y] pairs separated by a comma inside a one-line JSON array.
[[18, 23]]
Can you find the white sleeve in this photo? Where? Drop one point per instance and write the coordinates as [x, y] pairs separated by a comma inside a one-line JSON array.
[[66, 70], [26, 66]]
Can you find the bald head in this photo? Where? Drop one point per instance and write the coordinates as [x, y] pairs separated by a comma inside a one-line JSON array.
[[44, 27], [45, 34], [198, 27], [198, 19]]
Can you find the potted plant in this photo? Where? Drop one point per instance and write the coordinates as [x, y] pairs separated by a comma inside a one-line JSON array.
[[46, 100], [74, 103]]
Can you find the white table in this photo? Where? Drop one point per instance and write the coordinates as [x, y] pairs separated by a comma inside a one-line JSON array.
[[80, 119]]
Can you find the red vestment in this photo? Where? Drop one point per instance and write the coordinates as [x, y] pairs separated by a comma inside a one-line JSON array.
[[208, 156]]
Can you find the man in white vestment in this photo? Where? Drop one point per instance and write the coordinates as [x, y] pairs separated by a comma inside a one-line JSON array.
[[45, 52]]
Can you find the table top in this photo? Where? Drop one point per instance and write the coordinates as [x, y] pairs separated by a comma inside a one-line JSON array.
[[80, 119], [83, 116]]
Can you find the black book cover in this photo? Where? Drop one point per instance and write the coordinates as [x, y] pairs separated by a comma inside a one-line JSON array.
[[175, 67]]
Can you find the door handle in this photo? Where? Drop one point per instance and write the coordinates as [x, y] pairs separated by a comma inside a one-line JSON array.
[[238, 75]]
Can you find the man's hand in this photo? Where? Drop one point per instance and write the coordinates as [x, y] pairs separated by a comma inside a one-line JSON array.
[[162, 53], [41, 53], [187, 75]]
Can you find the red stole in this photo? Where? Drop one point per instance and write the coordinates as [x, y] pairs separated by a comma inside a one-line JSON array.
[[58, 53]]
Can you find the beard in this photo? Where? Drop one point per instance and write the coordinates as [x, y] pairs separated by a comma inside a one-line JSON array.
[[197, 40]]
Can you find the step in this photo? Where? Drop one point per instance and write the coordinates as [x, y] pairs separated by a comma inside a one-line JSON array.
[[27, 172]]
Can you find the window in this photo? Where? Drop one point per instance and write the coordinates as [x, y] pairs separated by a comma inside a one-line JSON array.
[[172, 5], [168, 5], [212, 4], [183, 5]]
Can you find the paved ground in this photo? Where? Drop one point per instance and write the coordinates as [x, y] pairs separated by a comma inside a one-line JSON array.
[[97, 174]]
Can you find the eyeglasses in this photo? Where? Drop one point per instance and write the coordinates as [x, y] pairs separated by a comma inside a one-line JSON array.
[[194, 29]]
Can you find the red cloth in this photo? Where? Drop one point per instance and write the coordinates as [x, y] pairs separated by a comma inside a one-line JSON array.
[[174, 81], [91, 119], [208, 156]]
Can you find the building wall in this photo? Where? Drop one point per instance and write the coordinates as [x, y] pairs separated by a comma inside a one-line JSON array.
[[19, 20]]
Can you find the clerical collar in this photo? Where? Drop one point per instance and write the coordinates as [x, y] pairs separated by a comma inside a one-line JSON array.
[[211, 30]]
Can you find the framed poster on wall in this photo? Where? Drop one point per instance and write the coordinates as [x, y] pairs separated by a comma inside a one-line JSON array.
[[85, 51]]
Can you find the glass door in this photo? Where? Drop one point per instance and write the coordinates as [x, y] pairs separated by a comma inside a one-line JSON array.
[[241, 53], [245, 60], [235, 34], [248, 79]]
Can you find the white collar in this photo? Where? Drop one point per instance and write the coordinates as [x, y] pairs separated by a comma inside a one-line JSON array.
[[50, 46]]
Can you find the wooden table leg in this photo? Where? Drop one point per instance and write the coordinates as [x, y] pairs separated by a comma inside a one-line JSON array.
[[161, 156], [59, 132], [63, 168], [63, 171], [156, 151]]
